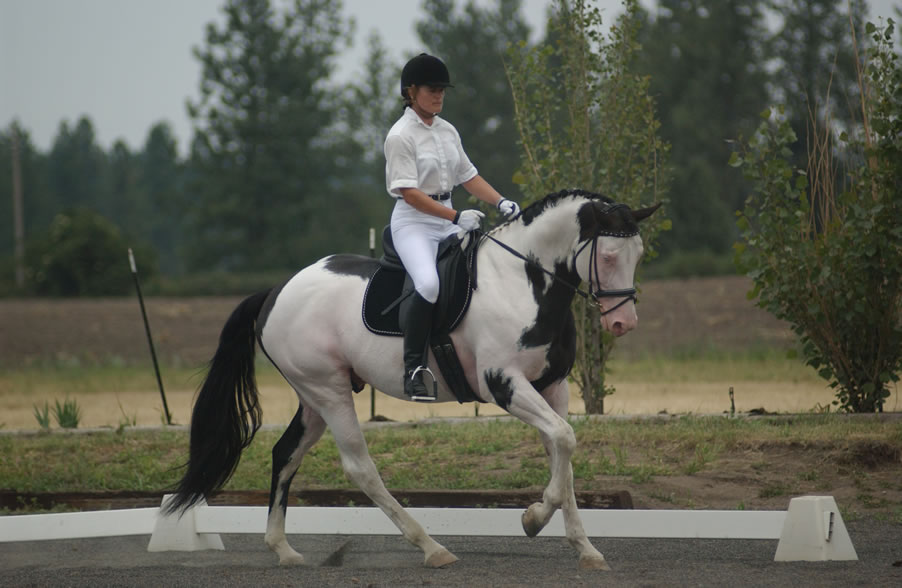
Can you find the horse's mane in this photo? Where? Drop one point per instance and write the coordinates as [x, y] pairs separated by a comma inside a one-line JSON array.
[[529, 213]]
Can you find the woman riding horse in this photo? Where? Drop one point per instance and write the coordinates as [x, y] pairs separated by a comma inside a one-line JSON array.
[[424, 161]]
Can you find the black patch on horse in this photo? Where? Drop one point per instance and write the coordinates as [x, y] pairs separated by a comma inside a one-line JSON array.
[[500, 386], [560, 355], [351, 265], [553, 301], [602, 218]]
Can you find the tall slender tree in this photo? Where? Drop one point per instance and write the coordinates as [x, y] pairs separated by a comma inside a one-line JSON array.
[[586, 120], [162, 184]]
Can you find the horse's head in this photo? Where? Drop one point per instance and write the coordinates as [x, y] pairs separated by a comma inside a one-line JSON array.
[[606, 255]]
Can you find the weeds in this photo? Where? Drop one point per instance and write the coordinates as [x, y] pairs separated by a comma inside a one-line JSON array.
[[42, 415], [67, 414]]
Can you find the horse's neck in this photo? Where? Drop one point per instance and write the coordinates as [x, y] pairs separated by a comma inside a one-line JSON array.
[[549, 238]]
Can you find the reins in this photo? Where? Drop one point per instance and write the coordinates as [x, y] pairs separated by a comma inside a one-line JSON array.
[[596, 295]]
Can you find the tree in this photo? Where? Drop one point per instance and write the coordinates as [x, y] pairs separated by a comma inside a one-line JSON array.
[[829, 262], [263, 157], [162, 185], [76, 167], [706, 60], [585, 119], [473, 44]]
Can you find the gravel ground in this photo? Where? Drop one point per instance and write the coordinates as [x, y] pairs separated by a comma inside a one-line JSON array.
[[495, 561]]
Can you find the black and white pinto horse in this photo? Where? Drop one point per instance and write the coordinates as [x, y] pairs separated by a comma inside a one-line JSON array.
[[516, 345]]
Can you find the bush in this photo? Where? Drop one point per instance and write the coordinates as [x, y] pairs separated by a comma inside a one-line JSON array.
[[831, 263], [82, 254]]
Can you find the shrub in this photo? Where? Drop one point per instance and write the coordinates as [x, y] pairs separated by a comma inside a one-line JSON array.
[[827, 260], [82, 254]]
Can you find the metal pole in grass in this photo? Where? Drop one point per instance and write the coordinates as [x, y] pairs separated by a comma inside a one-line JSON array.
[[372, 390], [153, 354]]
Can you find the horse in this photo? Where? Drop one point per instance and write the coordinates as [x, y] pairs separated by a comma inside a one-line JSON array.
[[516, 345]]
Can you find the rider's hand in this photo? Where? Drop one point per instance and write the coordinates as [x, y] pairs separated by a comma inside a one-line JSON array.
[[468, 220], [508, 208]]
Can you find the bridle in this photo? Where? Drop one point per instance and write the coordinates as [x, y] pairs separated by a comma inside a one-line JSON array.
[[597, 293]]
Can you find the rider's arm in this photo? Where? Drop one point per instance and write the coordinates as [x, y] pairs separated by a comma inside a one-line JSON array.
[[477, 186]]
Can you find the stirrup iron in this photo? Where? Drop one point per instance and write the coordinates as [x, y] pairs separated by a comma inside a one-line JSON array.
[[426, 397]]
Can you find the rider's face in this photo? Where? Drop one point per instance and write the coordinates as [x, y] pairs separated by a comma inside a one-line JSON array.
[[428, 100]]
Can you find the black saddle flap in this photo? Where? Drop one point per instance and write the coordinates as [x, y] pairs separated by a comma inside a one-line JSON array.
[[390, 285]]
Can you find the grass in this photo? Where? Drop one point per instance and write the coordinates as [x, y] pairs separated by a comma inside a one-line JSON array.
[[478, 455]]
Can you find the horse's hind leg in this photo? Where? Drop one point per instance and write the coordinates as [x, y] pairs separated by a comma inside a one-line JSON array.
[[302, 433], [359, 467]]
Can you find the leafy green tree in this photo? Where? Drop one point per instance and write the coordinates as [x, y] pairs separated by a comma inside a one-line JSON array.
[[830, 262], [81, 253], [706, 60], [473, 43], [586, 119], [265, 157]]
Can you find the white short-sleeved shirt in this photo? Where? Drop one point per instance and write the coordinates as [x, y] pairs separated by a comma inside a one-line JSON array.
[[428, 157]]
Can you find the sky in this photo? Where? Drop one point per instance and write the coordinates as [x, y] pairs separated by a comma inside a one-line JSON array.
[[128, 64]]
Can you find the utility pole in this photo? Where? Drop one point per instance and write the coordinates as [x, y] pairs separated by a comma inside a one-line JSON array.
[[18, 212]]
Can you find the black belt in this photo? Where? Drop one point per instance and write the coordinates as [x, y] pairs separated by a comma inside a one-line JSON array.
[[443, 196]]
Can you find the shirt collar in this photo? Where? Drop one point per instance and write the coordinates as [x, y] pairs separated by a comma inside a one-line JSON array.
[[408, 111]]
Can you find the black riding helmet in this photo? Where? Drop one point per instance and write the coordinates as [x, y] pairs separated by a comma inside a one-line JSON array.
[[424, 70]]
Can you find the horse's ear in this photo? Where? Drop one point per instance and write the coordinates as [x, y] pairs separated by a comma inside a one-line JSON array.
[[644, 213]]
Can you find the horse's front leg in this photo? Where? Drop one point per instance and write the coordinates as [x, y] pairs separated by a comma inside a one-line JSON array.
[[558, 398], [515, 394]]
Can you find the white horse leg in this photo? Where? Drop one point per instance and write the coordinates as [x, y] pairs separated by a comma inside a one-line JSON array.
[[558, 398], [304, 431], [359, 466], [557, 435]]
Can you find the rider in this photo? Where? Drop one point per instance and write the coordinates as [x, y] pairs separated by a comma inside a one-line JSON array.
[[424, 161]]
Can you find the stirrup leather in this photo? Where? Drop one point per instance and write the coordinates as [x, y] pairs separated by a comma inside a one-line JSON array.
[[424, 397]]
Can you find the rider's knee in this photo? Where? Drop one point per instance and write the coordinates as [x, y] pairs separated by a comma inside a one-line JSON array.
[[428, 289]]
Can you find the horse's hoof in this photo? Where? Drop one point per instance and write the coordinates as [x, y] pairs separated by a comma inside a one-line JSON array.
[[295, 559], [594, 563], [440, 559], [529, 520]]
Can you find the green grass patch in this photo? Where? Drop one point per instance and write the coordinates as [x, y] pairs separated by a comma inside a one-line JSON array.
[[477, 455]]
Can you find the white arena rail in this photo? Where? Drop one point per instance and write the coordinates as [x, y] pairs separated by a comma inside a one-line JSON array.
[[810, 530]]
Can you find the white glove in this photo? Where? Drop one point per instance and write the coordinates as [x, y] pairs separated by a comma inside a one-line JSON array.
[[468, 220], [508, 208]]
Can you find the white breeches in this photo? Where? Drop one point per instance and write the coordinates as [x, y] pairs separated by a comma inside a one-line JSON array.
[[416, 237]]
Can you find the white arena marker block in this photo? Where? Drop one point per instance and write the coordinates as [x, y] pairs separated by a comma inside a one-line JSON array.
[[174, 533], [814, 531]]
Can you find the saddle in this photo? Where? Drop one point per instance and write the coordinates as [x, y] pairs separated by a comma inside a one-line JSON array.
[[390, 287]]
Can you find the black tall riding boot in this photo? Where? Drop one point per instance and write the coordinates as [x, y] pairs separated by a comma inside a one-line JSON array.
[[417, 324]]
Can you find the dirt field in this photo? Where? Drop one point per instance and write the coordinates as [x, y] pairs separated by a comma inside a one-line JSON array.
[[676, 316]]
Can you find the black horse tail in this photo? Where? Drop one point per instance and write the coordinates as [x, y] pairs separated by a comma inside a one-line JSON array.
[[227, 411]]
